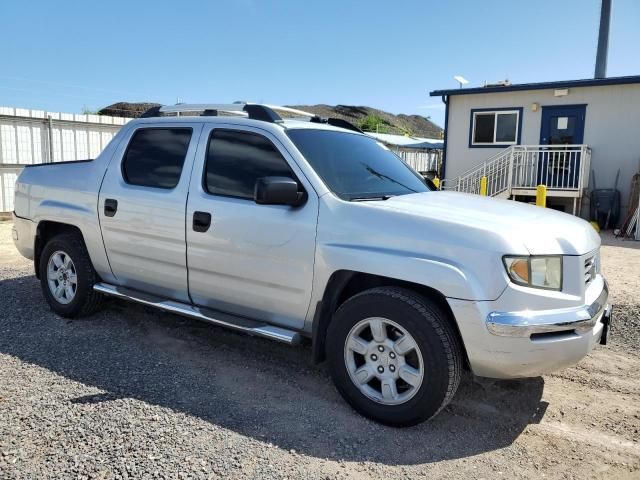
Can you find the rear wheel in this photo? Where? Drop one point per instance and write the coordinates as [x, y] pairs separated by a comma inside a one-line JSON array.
[[394, 356], [67, 276]]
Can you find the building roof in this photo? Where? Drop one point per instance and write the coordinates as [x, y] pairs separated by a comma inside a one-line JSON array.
[[403, 141], [588, 82]]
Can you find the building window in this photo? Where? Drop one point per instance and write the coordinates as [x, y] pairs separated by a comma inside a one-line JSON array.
[[495, 127]]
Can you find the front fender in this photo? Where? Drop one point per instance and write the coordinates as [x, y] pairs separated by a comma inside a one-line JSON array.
[[458, 262], [450, 279]]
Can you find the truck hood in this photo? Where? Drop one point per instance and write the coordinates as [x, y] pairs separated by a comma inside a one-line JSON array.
[[541, 230]]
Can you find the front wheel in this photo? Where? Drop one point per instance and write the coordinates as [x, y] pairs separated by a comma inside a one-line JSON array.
[[67, 276], [394, 356]]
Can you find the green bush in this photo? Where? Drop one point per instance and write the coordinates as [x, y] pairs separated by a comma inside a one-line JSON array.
[[373, 123]]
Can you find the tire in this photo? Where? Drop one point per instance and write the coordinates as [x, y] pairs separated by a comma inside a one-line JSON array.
[[436, 353], [84, 300]]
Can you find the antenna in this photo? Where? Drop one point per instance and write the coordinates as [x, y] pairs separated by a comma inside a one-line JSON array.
[[461, 80]]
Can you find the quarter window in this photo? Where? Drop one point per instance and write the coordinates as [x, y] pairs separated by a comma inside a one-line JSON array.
[[235, 160], [499, 127], [155, 156]]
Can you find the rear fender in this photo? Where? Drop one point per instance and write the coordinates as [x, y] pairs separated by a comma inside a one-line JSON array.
[[82, 215]]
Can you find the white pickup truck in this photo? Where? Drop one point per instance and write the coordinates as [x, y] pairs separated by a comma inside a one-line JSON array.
[[312, 231]]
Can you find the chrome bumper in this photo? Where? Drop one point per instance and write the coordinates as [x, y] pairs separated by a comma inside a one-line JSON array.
[[570, 320]]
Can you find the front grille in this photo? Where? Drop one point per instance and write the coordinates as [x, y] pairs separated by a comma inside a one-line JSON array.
[[590, 269]]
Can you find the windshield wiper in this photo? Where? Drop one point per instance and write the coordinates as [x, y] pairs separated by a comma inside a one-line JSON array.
[[366, 199], [381, 175]]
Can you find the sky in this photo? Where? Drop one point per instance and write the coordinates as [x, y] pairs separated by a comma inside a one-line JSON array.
[[72, 55]]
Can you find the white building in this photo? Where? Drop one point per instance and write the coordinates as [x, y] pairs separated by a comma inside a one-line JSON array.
[[552, 133]]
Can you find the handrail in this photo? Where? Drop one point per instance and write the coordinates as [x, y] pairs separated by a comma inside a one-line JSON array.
[[488, 160], [523, 167]]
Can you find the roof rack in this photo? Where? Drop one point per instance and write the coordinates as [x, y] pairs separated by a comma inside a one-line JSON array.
[[255, 111]]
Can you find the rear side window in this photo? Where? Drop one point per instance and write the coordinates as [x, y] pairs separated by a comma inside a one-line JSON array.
[[235, 160], [155, 156]]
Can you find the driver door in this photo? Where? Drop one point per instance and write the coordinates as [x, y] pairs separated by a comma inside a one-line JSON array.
[[244, 258]]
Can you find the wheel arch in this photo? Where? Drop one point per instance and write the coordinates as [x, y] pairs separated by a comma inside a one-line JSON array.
[[344, 284], [45, 231]]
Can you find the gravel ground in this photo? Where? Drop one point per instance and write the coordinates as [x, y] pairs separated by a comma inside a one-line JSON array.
[[621, 267], [133, 393]]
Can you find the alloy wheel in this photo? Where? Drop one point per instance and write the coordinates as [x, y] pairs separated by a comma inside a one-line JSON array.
[[62, 277], [384, 361]]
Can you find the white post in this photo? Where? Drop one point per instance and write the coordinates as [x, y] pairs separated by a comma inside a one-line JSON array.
[[510, 172], [50, 128], [2, 191]]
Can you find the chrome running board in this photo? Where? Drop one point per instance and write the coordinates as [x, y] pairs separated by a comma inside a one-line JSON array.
[[243, 324]]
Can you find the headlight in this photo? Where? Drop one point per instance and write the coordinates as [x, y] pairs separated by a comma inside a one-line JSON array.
[[535, 271]]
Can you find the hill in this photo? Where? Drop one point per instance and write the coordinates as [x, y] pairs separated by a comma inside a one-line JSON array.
[[415, 125], [367, 118]]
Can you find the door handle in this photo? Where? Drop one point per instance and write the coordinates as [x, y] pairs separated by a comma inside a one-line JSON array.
[[110, 207], [201, 221]]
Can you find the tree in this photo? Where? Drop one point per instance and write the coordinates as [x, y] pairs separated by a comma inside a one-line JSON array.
[[373, 123]]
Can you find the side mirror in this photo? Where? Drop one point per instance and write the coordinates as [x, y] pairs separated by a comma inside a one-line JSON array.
[[278, 191]]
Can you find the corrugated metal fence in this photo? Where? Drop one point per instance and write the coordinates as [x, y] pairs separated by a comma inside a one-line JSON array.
[[423, 161], [35, 136]]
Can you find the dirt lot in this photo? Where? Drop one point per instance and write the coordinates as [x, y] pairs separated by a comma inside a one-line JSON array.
[[133, 393]]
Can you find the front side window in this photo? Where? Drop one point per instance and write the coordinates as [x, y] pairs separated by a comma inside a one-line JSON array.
[[236, 159], [356, 167], [495, 128], [155, 156]]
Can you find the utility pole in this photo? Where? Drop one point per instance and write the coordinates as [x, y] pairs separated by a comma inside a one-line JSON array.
[[603, 40]]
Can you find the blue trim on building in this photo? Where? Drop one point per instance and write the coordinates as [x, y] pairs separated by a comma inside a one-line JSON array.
[[496, 145], [443, 168], [589, 82], [562, 105]]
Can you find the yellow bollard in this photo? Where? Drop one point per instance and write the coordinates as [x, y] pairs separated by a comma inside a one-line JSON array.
[[436, 182], [483, 186], [541, 196]]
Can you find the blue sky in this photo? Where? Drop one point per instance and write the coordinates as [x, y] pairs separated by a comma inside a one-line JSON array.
[[65, 55]]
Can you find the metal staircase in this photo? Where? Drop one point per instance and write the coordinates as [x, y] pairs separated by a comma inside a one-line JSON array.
[[519, 169], [495, 169]]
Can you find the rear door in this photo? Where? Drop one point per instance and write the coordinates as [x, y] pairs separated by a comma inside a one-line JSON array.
[[142, 208], [249, 259]]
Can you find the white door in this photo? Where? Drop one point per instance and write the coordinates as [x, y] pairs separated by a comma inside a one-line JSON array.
[[252, 260]]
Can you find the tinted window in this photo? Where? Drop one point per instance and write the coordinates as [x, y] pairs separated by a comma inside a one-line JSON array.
[[484, 128], [495, 127], [506, 127], [155, 156], [356, 166], [235, 160]]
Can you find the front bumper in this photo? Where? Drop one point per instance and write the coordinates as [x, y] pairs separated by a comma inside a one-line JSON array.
[[558, 321], [503, 344]]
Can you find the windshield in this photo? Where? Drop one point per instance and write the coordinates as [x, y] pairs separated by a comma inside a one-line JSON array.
[[356, 167]]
